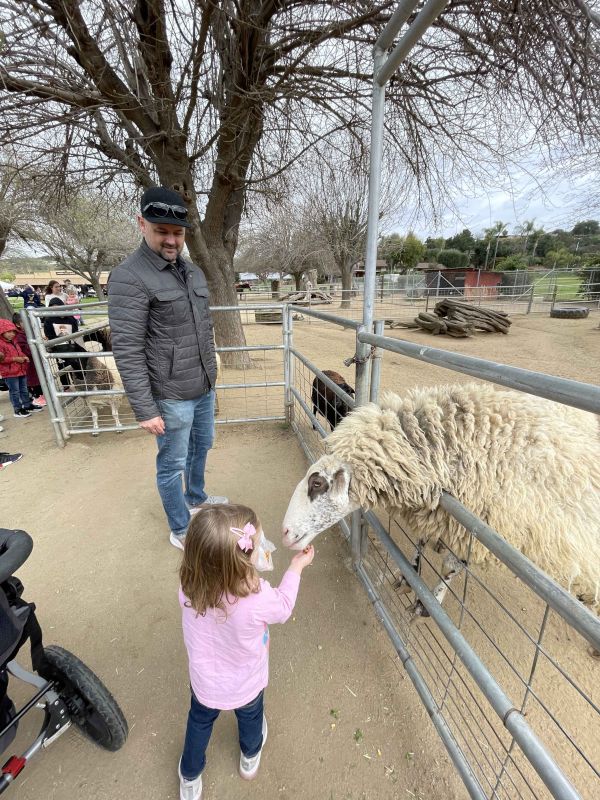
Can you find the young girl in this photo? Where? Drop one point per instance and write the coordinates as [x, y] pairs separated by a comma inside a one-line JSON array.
[[226, 611], [72, 298], [33, 382], [13, 369]]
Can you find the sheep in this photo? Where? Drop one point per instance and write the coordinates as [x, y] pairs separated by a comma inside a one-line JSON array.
[[528, 467], [326, 402], [100, 374]]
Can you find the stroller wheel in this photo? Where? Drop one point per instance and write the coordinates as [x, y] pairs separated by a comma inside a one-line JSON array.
[[93, 708]]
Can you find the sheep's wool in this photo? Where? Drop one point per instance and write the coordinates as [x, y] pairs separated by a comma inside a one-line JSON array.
[[528, 467]]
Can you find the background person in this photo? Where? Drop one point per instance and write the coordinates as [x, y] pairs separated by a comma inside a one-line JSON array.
[[33, 382], [54, 289], [31, 298], [13, 369], [162, 338], [62, 326]]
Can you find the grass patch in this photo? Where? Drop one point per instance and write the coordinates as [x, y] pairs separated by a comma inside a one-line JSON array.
[[17, 302], [568, 286]]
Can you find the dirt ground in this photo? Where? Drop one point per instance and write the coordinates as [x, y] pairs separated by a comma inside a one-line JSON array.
[[344, 721]]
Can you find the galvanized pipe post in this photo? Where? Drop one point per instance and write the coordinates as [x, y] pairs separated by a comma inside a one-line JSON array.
[[288, 378], [362, 350], [530, 303], [376, 364], [34, 337]]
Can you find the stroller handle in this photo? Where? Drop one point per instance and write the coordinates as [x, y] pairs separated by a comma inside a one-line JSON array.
[[15, 547]]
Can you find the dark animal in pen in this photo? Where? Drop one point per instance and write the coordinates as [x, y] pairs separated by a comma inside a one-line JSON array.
[[326, 402]]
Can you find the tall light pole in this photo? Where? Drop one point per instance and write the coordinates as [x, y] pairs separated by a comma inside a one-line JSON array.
[[487, 254], [498, 235]]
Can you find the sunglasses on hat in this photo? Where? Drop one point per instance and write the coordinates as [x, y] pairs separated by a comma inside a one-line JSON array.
[[164, 209]]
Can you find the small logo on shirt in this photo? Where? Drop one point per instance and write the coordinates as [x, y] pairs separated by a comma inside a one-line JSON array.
[[266, 636]]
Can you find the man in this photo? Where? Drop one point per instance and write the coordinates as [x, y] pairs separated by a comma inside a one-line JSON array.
[[31, 298], [162, 338]]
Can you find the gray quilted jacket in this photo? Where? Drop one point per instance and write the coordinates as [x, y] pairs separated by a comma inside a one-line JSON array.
[[162, 332]]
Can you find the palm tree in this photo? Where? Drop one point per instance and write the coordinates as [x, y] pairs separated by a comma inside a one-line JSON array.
[[525, 230], [497, 230]]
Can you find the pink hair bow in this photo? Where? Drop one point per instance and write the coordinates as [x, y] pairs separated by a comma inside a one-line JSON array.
[[245, 535]]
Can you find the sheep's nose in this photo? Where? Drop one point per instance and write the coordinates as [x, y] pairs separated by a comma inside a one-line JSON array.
[[288, 538]]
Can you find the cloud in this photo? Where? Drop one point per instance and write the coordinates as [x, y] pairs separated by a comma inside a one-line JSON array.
[[553, 200]]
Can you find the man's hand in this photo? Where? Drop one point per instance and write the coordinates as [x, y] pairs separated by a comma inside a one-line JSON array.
[[156, 425]]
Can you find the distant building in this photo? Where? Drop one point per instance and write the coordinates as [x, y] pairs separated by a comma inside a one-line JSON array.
[[43, 278], [358, 269], [466, 282]]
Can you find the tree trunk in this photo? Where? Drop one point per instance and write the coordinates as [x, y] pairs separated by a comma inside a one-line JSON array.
[[95, 280], [275, 289], [229, 331], [346, 272], [312, 275], [6, 310], [298, 280]]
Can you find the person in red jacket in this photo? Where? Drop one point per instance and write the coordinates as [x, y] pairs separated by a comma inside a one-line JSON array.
[[13, 369], [34, 387]]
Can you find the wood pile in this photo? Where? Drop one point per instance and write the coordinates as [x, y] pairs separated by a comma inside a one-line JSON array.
[[313, 297], [461, 319]]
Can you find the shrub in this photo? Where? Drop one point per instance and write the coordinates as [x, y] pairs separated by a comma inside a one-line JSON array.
[[453, 259], [511, 263]]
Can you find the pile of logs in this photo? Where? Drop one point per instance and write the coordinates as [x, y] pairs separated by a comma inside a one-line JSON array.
[[314, 297], [461, 319]]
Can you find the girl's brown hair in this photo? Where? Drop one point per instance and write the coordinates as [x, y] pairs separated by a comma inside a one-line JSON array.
[[48, 289], [214, 568]]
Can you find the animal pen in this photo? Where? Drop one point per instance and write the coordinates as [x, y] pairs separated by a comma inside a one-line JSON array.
[[490, 690]]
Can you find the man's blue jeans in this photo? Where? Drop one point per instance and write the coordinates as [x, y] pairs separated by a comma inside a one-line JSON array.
[[17, 391], [182, 451], [199, 728]]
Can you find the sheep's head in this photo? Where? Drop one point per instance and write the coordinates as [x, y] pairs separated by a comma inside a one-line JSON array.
[[321, 499]]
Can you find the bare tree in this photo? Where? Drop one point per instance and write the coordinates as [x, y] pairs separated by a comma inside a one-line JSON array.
[[336, 197], [282, 239], [338, 205], [216, 98], [22, 189], [87, 235]]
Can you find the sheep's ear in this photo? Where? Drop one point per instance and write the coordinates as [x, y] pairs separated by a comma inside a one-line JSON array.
[[340, 484]]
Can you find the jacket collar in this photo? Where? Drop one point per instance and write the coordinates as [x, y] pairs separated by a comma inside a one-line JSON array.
[[157, 260]]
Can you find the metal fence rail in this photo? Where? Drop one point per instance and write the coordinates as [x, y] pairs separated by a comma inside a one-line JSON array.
[[400, 304], [84, 392], [490, 665], [502, 667]]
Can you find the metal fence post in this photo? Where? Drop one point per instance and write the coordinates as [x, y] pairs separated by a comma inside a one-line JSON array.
[[44, 373], [554, 293], [530, 303], [288, 367], [376, 364]]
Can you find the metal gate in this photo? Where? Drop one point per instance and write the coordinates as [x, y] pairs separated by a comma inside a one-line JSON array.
[[84, 392], [491, 695]]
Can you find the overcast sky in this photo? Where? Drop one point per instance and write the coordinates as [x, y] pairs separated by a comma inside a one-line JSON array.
[[560, 203]]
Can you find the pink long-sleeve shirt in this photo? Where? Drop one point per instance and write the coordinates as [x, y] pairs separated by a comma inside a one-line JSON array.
[[229, 658]]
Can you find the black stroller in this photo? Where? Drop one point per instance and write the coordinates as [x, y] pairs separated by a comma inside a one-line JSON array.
[[65, 688]]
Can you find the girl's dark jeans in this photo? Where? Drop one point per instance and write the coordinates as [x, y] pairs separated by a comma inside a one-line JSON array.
[[199, 728], [17, 390]]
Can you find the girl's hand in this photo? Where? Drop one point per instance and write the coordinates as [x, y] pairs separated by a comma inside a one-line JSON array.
[[304, 558]]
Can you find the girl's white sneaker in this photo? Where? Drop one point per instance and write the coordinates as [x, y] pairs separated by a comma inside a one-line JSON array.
[[189, 790], [249, 766]]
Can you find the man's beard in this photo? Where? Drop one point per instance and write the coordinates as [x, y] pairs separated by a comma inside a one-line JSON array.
[[170, 254]]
